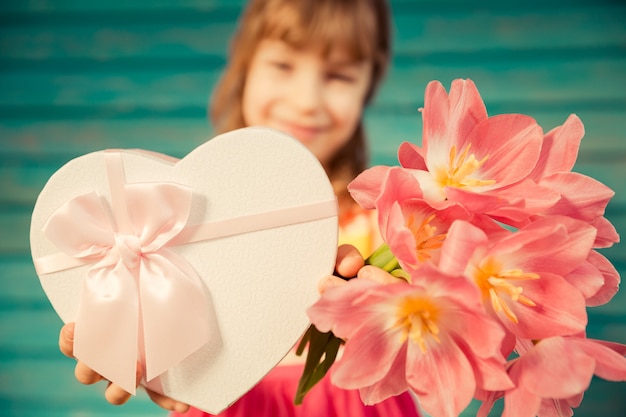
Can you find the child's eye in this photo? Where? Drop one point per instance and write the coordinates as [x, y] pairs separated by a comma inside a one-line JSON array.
[[340, 76], [281, 65]]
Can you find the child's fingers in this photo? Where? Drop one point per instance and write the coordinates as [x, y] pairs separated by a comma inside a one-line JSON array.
[[66, 340], [116, 395], [167, 403], [373, 273], [82, 372], [349, 261], [329, 282], [86, 375]]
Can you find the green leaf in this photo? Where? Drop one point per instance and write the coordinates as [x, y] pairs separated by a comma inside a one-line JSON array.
[[323, 348]]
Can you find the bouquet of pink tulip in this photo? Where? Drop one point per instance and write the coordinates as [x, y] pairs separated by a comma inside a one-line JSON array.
[[493, 239]]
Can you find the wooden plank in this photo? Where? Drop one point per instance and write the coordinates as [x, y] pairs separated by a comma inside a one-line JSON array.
[[47, 6], [607, 328], [34, 6], [102, 41], [15, 226], [524, 87], [148, 32], [574, 87], [30, 333], [20, 285], [122, 91], [49, 386], [485, 28], [37, 6], [57, 141]]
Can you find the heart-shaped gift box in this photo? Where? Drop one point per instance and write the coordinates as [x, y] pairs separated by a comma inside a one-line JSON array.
[[234, 275]]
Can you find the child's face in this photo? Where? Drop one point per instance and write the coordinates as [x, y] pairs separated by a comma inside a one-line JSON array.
[[317, 100]]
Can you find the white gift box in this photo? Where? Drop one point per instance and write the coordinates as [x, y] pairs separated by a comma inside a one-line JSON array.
[[257, 283]]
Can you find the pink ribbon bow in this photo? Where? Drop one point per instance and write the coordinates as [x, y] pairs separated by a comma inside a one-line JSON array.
[[141, 301]]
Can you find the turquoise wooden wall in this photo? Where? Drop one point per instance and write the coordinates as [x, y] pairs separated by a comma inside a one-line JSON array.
[[78, 76]]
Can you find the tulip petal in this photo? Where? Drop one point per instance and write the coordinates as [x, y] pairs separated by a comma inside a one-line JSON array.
[[366, 187], [368, 356], [458, 248], [560, 148], [610, 364], [587, 279], [521, 403], [512, 143], [557, 244], [555, 369], [607, 235], [551, 316], [336, 311], [442, 380], [582, 198], [411, 156], [392, 384], [611, 279]]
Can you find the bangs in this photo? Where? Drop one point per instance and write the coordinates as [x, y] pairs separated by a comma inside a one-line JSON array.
[[327, 26]]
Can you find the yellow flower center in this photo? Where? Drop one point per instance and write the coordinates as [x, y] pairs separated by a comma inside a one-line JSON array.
[[426, 238], [417, 317], [462, 169], [499, 287]]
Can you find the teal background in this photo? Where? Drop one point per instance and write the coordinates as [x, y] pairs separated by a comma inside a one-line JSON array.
[[79, 76]]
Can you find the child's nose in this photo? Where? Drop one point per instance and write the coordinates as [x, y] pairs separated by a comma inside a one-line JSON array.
[[307, 92]]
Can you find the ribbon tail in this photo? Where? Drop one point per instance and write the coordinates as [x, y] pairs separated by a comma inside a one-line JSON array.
[[105, 337], [176, 312]]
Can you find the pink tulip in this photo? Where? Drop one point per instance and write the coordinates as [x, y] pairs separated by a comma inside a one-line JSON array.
[[413, 229], [468, 159], [433, 338], [473, 160], [580, 196], [521, 276], [553, 374]]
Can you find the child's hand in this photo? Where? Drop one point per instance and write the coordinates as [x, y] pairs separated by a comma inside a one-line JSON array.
[[351, 264], [114, 393]]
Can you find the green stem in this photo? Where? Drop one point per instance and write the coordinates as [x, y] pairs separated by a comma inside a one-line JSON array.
[[383, 258], [391, 265]]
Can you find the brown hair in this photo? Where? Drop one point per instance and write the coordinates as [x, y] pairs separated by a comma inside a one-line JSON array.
[[360, 27]]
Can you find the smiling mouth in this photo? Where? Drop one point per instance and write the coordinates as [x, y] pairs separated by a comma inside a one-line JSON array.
[[302, 133]]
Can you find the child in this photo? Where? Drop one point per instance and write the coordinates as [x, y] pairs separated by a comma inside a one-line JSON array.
[[306, 67]]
